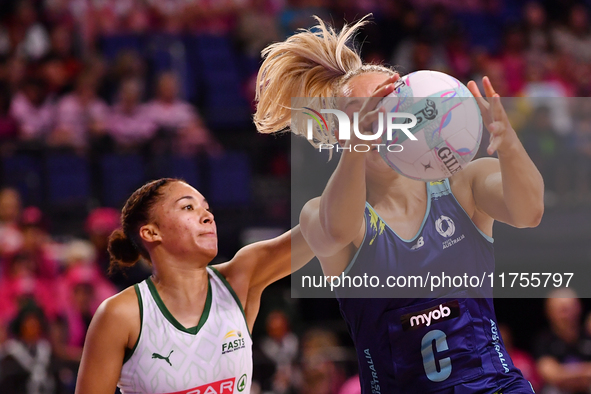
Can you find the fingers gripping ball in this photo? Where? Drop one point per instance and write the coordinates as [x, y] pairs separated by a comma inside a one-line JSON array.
[[448, 129]]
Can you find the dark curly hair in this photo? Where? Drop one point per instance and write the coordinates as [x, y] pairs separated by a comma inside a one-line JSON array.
[[125, 246]]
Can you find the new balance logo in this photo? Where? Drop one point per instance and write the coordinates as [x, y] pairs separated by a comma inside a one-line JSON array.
[[420, 242], [167, 359]]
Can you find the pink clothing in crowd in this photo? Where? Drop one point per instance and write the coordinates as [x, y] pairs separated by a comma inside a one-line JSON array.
[[351, 386], [175, 115], [527, 366], [14, 289], [34, 122], [11, 239], [46, 266], [86, 274], [131, 129], [75, 118], [514, 66], [102, 221], [101, 290]]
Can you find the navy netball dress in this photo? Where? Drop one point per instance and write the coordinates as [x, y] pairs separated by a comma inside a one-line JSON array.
[[447, 343]]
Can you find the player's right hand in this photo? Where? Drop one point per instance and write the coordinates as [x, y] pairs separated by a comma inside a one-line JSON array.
[[369, 111]]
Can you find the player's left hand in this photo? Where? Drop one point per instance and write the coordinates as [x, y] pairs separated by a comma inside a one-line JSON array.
[[502, 135]]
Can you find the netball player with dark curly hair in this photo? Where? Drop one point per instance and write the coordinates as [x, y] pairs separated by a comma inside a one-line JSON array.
[[185, 329]]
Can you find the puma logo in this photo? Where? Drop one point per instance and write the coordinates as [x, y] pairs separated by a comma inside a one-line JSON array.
[[167, 359]]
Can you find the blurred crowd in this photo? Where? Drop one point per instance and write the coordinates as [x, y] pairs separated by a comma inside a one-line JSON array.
[[49, 292], [143, 77]]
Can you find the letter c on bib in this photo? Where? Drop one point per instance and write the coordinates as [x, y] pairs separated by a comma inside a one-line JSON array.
[[428, 353]]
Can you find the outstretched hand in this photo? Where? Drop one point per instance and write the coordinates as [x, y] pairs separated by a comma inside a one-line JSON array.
[[369, 111], [502, 135]]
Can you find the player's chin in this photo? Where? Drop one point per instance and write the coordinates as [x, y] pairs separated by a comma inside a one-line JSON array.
[[209, 247], [211, 253]]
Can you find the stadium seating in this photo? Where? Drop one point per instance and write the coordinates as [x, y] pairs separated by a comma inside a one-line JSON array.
[[229, 180], [23, 172], [120, 176], [68, 180]]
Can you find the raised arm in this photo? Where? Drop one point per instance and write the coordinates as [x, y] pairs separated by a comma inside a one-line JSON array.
[[510, 189], [257, 265], [331, 223], [276, 258]]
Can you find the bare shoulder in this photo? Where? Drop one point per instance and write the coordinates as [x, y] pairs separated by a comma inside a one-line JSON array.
[[311, 206], [121, 304], [465, 184], [236, 273], [308, 214], [225, 269], [115, 326], [476, 168], [119, 316], [461, 183], [482, 166]]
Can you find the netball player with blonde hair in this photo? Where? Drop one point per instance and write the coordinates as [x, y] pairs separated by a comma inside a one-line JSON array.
[[370, 220], [186, 329]]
